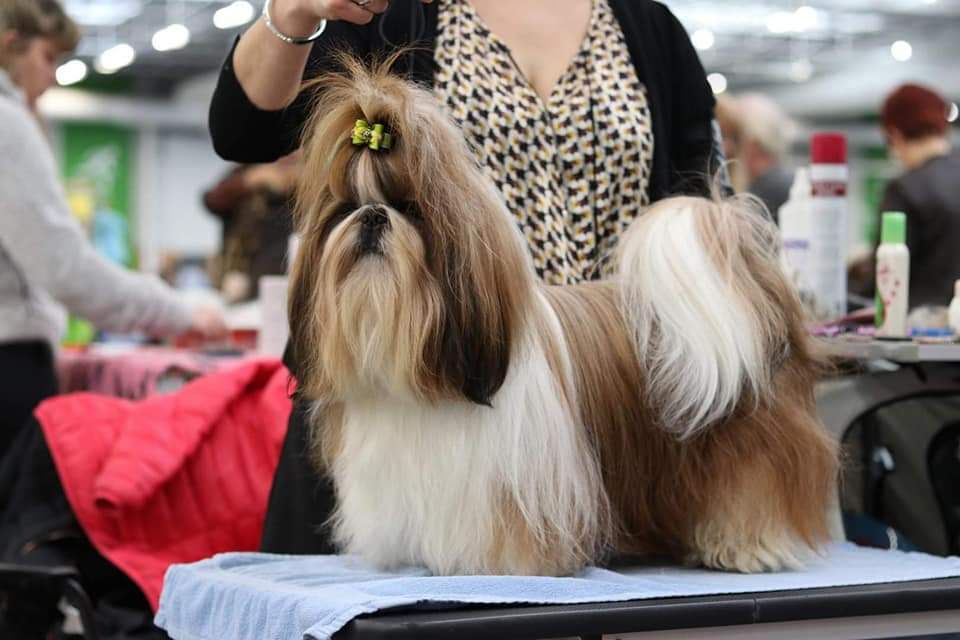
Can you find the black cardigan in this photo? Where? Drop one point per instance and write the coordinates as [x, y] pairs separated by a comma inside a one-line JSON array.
[[930, 196], [681, 101]]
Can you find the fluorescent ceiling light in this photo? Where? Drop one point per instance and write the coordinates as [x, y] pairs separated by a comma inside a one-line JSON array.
[[780, 22], [115, 58], [703, 39], [806, 18], [71, 72], [901, 50], [174, 36], [718, 82], [97, 13], [234, 15]]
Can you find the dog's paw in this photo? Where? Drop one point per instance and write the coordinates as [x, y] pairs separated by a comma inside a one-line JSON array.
[[770, 551]]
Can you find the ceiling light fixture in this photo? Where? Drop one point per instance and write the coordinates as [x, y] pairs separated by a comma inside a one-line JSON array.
[[805, 18], [170, 38], [718, 82], [71, 72], [115, 58], [91, 13], [234, 15], [780, 22], [901, 50], [703, 39]]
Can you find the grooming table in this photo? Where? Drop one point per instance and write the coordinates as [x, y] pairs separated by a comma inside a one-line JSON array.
[[902, 351], [854, 593], [869, 611], [135, 372], [925, 370]]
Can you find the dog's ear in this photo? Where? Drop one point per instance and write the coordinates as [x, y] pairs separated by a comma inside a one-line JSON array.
[[485, 298], [474, 251], [302, 356], [476, 349]]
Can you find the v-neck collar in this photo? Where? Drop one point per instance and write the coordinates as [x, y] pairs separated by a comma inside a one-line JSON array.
[[563, 78]]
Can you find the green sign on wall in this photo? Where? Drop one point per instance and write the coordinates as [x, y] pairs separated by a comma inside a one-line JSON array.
[[98, 173]]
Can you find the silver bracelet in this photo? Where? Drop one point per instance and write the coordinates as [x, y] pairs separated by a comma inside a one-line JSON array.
[[290, 39]]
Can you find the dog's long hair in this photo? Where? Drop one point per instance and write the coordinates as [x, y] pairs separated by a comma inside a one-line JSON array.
[[474, 420], [446, 319]]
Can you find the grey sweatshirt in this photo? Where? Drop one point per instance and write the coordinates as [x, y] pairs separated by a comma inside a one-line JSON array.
[[46, 262]]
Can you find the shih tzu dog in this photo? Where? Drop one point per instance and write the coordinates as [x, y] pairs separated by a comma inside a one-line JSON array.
[[477, 421]]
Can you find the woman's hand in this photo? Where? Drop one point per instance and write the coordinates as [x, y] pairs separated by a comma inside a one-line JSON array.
[[208, 322], [304, 15], [269, 70]]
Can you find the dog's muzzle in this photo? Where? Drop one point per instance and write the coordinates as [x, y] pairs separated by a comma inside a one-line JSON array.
[[373, 222]]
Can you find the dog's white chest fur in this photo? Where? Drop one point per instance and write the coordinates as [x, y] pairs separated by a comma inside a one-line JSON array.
[[415, 483], [423, 484]]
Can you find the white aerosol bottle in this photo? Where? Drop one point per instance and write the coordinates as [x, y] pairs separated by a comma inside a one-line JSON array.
[[794, 217], [893, 277], [828, 224]]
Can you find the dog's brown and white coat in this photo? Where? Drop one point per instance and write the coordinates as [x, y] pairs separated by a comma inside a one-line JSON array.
[[476, 421]]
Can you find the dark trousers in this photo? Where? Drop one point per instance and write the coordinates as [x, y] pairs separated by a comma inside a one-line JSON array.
[[27, 377], [301, 499]]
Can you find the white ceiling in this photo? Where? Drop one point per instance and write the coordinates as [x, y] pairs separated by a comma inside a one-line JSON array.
[[828, 57]]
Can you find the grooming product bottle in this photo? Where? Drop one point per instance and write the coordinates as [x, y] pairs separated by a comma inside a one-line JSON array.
[[893, 277], [954, 313], [828, 225], [794, 220]]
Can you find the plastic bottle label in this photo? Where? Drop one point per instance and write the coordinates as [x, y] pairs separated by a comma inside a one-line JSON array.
[[828, 242]]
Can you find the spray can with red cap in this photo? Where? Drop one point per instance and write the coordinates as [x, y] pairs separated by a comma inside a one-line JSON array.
[[829, 176]]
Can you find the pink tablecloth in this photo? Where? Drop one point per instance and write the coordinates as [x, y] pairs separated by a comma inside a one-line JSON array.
[[136, 372]]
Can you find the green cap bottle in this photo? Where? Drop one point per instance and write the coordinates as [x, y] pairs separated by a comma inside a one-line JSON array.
[[893, 229], [893, 277]]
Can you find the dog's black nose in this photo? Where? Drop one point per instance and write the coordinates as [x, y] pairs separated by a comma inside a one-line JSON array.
[[373, 221], [374, 216]]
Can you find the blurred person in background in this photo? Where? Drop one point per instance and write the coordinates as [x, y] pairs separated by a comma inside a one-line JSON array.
[[914, 120], [48, 266], [46, 261], [765, 135], [253, 204], [728, 118]]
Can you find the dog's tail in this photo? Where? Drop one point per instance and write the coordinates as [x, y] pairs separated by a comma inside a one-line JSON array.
[[711, 313]]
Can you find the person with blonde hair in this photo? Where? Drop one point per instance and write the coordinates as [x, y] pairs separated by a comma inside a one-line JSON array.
[[46, 262], [765, 135], [728, 118]]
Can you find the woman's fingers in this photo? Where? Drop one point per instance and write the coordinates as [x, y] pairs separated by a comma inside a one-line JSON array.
[[350, 11], [377, 6]]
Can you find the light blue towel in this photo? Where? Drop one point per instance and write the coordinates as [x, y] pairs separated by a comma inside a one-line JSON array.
[[253, 596]]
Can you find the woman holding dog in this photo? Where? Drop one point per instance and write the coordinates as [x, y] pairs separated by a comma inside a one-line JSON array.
[[582, 112]]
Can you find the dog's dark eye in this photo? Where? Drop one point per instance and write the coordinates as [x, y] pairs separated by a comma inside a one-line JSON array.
[[343, 210], [410, 209]]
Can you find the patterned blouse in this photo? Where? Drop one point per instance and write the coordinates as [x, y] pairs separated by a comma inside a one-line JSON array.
[[574, 170]]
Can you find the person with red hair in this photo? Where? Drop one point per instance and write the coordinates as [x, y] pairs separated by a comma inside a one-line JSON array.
[[914, 120]]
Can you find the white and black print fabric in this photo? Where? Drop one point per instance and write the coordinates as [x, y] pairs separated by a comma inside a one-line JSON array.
[[575, 169]]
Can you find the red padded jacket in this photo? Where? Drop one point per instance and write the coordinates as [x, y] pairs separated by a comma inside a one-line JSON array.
[[173, 478]]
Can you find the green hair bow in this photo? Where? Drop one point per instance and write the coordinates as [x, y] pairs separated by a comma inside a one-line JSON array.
[[373, 136]]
